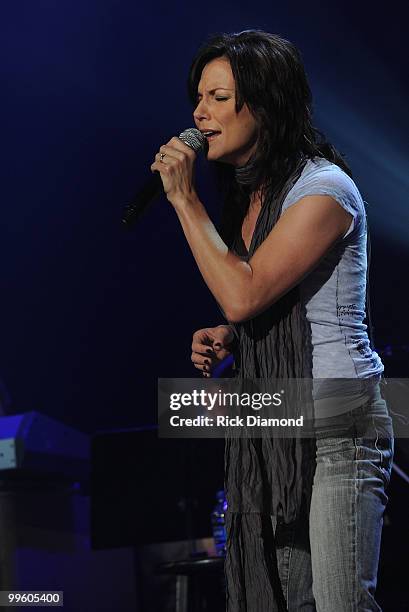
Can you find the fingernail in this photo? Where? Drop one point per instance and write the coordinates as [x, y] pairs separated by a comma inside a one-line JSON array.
[[209, 351], [217, 345], [207, 361]]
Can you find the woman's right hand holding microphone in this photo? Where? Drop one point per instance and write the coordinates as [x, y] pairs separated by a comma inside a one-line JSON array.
[[210, 347]]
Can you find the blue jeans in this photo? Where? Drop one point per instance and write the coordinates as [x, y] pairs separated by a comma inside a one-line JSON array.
[[328, 559]]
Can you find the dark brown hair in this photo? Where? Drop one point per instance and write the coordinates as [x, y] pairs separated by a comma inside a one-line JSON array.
[[270, 78]]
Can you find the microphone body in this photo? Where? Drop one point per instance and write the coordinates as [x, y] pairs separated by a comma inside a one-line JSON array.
[[153, 188]]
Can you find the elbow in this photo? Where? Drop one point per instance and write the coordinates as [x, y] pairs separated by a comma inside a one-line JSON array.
[[243, 310], [236, 297], [232, 317], [238, 313], [245, 302]]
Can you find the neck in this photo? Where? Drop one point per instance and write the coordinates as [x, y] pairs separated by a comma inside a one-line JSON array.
[[245, 174]]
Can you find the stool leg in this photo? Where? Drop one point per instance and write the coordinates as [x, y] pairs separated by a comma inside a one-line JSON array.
[[181, 593]]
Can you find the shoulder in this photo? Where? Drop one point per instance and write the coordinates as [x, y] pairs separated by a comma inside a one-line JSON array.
[[321, 177]]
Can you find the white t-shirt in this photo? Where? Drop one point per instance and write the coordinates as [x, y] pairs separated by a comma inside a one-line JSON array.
[[334, 292]]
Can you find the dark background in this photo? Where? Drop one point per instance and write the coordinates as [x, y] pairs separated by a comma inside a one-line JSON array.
[[92, 315]]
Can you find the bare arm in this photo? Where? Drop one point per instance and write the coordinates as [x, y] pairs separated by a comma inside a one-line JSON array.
[[300, 238]]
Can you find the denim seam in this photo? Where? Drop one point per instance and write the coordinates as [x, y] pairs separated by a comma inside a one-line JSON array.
[[355, 530], [376, 444], [382, 462]]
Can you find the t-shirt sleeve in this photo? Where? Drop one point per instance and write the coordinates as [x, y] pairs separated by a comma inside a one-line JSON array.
[[332, 181]]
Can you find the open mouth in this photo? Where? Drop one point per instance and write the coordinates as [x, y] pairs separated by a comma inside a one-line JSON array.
[[211, 134]]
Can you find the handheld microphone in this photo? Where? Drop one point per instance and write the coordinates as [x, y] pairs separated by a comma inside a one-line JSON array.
[[154, 187]]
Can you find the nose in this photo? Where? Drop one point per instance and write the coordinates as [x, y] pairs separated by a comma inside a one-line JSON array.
[[201, 111]]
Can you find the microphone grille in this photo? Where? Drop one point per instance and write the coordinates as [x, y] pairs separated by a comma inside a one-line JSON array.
[[194, 139]]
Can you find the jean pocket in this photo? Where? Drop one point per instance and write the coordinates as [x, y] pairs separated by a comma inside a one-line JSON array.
[[377, 452]]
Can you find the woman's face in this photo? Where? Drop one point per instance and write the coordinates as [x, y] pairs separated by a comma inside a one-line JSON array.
[[235, 133]]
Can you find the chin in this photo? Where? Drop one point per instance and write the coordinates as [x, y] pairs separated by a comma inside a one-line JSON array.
[[218, 157], [214, 157]]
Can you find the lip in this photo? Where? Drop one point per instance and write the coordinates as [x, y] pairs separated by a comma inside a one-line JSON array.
[[210, 130], [213, 137]]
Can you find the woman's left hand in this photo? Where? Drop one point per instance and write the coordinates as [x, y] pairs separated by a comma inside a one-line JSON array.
[[175, 162]]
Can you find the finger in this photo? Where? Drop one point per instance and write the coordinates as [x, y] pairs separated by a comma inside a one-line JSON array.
[[159, 167], [171, 152], [222, 354], [161, 159], [200, 359], [202, 368], [203, 349], [178, 144], [204, 336], [223, 336], [217, 344], [166, 159]]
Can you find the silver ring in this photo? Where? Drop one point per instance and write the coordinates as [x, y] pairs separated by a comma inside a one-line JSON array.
[[161, 156]]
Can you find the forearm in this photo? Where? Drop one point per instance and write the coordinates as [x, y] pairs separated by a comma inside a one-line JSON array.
[[228, 278]]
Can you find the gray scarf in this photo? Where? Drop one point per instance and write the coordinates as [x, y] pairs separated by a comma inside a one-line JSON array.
[[266, 476], [271, 475]]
